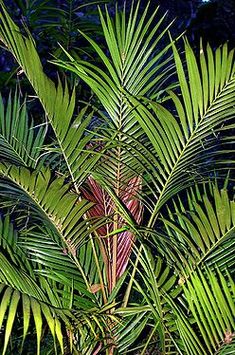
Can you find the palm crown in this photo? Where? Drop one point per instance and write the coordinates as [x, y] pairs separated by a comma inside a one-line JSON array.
[[120, 239]]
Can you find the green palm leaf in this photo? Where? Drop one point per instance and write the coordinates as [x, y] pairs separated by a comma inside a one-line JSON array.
[[158, 289], [203, 229], [20, 143], [57, 299], [52, 198], [13, 301], [58, 209], [130, 48], [19, 290], [211, 301], [187, 144], [134, 66], [58, 104]]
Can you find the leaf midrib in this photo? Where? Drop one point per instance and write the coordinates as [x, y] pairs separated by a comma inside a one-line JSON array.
[[13, 149], [215, 245], [153, 217]]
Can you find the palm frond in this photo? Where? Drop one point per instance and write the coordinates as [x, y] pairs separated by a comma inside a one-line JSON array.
[[47, 294], [20, 292], [13, 301], [55, 207], [203, 229], [187, 143], [51, 197], [130, 48], [154, 282], [210, 298], [58, 103], [20, 142], [134, 65]]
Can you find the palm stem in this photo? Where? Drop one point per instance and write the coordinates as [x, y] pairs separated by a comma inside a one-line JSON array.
[[129, 287], [99, 270]]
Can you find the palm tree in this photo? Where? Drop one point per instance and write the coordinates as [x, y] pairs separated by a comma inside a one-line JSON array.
[[120, 239]]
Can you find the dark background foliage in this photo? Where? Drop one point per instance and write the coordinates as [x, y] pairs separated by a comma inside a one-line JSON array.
[[53, 22], [56, 21]]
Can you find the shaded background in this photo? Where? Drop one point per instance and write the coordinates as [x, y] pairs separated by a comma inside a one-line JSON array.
[[56, 21]]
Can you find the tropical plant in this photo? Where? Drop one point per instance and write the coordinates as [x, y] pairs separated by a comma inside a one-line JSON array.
[[57, 21], [51, 22], [118, 221]]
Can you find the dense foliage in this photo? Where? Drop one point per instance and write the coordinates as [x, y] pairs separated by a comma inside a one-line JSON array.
[[117, 197]]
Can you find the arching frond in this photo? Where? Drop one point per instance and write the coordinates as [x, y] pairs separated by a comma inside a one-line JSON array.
[[202, 229], [187, 143], [58, 103], [56, 208], [136, 64], [36, 296], [131, 66], [21, 291], [50, 197]]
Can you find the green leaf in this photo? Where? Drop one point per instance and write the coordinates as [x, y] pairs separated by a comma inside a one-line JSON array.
[[11, 317]]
